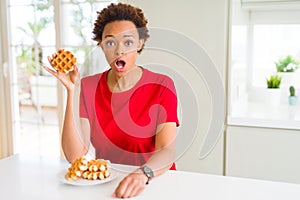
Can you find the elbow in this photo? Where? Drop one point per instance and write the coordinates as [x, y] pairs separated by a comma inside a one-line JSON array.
[[71, 156]]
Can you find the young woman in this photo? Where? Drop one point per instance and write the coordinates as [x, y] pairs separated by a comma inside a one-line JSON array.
[[128, 113]]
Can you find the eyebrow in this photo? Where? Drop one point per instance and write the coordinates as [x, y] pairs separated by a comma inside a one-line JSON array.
[[113, 36]]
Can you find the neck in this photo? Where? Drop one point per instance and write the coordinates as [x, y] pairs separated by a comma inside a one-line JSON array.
[[125, 82]]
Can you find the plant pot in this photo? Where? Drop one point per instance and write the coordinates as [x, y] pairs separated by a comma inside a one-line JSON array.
[[273, 96], [293, 100]]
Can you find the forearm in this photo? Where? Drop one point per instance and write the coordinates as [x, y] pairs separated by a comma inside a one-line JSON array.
[[165, 149], [162, 160], [74, 141]]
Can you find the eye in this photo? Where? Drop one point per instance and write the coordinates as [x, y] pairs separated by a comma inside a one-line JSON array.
[[129, 43], [110, 43]]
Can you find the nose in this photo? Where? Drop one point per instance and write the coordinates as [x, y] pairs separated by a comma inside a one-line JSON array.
[[119, 51]]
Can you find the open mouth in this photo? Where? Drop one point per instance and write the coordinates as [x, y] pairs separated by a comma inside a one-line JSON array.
[[120, 64]]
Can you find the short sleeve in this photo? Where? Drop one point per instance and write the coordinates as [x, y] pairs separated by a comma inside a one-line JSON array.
[[168, 102], [87, 95]]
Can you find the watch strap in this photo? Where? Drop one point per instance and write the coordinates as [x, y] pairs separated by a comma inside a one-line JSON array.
[[148, 172]]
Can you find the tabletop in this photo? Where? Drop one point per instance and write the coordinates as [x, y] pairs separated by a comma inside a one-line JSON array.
[[33, 177]]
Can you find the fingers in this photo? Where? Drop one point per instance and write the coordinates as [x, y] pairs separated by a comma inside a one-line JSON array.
[[130, 186], [50, 59], [75, 70], [54, 73], [132, 191]]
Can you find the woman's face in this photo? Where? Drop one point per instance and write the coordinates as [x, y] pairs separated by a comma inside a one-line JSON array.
[[120, 43]]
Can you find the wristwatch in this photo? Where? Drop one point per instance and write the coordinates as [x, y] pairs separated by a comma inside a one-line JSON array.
[[148, 172]]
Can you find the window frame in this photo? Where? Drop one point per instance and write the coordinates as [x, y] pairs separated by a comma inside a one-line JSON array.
[[289, 14]]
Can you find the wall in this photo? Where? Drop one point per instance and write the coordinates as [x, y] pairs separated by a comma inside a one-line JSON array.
[[205, 24], [263, 153]]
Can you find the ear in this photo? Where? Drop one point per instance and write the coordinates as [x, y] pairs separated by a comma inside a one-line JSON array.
[[100, 44], [141, 43]]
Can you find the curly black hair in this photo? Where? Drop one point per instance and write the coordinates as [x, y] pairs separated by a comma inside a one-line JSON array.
[[119, 12]]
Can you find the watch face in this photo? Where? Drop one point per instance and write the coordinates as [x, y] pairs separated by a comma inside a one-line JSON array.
[[148, 171]]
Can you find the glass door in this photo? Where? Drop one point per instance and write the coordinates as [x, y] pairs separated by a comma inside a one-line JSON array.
[[34, 92], [36, 29]]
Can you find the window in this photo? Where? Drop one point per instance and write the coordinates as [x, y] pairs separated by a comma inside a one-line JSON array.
[[261, 36], [36, 29]]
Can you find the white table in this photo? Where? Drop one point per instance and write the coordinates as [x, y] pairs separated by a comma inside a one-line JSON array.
[[31, 178]]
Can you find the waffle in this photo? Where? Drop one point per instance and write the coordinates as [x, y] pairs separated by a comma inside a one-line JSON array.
[[77, 168], [63, 61], [91, 170]]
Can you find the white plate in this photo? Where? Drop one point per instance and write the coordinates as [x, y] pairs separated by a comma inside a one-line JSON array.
[[85, 182]]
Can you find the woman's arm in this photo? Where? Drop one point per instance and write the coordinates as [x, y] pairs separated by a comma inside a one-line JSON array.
[[159, 162], [75, 142], [76, 130], [165, 149]]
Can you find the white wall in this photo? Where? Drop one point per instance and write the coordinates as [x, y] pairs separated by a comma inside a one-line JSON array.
[[263, 153], [204, 23]]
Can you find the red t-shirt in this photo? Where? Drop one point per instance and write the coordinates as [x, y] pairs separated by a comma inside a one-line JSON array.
[[123, 125]]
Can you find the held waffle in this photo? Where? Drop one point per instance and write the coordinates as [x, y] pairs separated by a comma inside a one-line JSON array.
[[91, 170], [63, 61]]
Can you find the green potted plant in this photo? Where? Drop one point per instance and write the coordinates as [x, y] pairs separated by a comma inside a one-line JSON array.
[[273, 92], [287, 64], [274, 81], [292, 97], [287, 67]]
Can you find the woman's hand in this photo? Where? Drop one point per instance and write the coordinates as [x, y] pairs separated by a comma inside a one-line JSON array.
[[132, 185], [70, 80], [163, 158]]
